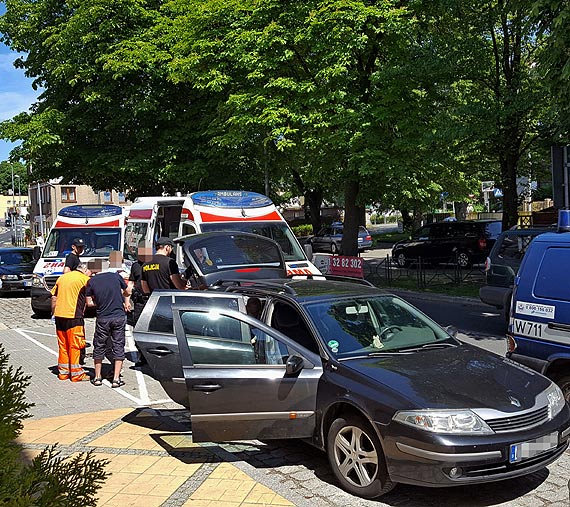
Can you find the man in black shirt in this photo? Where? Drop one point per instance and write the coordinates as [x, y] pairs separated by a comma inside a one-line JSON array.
[[72, 260], [162, 271], [107, 291]]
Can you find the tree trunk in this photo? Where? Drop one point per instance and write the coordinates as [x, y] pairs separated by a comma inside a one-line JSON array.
[[509, 183], [460, 210], [362, 215], [349, 244], [313, 203]]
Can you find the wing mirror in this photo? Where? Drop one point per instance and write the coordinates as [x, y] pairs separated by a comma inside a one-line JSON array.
[[308, 247], [451, 331], [37, 252], [294, 365]]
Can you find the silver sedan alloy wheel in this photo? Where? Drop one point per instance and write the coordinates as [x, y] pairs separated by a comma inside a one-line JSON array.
[[355, 456]]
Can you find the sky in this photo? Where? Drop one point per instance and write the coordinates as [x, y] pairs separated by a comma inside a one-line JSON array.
[[16, 92]]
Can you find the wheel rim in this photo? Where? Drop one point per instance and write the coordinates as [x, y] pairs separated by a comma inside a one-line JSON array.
[[355, 456], [463, 260], [401, 260]]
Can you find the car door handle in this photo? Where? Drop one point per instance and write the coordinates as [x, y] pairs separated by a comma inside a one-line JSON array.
[[206, 388], [160, 352]]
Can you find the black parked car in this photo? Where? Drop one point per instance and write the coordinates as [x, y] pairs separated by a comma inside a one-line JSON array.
[[503, 264], [387, 393], [464, 242], [16, 268]]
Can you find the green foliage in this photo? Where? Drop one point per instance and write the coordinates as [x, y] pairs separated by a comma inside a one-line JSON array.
[[50, 480], [7, 169], [302, 230], [553, 18], [355, 102]]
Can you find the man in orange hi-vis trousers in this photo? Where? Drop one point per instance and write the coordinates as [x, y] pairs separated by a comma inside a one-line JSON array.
[[68, 306]]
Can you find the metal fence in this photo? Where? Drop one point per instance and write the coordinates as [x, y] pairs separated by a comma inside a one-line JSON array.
[[422, 272]]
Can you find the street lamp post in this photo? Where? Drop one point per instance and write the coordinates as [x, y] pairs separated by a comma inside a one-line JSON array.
[[13, 207], [19, 189], [17, 214]]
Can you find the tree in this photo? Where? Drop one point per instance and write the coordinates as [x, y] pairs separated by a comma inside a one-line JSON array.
[[553, 19], [50, 480], [498, 102], [9, 170]]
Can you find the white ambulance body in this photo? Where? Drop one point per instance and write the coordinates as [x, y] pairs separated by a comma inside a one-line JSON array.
[[210, 211], [102, 229]]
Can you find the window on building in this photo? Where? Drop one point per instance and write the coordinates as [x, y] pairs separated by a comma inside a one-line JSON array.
[[68, 194], [122, 197], [107, 197]]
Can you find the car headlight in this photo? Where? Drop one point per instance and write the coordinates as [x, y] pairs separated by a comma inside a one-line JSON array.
[[9, 277], [444, 421], [37, 281], [556, 400]]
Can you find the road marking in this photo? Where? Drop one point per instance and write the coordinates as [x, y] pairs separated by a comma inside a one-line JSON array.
[[37, 332], [144, 399], [36, 342]]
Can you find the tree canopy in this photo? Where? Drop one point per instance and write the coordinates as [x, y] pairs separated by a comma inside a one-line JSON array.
[[370, 101]]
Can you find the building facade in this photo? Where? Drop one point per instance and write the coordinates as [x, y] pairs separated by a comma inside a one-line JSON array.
[[47, 198]]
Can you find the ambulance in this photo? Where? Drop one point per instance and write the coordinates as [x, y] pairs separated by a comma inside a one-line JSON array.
[[102, 229], [210, 211]]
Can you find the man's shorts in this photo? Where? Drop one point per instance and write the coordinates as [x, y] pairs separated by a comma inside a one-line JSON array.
[[113, 332]]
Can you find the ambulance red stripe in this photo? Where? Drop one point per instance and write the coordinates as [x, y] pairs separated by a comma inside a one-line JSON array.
[[273, 216]]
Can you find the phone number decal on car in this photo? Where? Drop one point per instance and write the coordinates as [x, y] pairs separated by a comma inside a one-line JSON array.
[[346, 266], [536, 310]]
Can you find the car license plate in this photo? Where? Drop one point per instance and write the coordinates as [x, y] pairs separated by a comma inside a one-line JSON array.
[[529, 328], [532, 448], [27, 283]]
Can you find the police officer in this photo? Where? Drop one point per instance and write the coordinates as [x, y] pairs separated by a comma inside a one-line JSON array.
[[161, 272], [72, 260]]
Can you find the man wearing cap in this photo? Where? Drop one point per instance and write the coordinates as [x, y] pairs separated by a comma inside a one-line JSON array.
[[161, 272], [72, 260]]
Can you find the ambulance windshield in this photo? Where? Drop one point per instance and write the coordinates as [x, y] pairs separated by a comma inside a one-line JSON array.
[[98, 242], [277, 231]]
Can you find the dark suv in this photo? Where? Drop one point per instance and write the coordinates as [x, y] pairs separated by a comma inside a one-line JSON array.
[[502, 265], [465, 242], [388, 394]]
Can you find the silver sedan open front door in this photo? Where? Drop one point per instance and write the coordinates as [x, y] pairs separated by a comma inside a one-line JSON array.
[[245, 380]]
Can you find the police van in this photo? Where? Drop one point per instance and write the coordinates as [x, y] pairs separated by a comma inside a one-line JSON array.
[[539, 327], [212, 211]]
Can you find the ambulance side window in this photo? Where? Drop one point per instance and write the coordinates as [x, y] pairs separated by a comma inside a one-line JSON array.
[[188, 229]]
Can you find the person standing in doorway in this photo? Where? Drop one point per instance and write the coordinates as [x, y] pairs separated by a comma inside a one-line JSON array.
[[67, 306], [107, 291], [40, 240], [161, 272], [72, 260]]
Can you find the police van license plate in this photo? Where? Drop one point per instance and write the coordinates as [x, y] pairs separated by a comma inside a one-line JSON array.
[[532, 448], [529, 328]]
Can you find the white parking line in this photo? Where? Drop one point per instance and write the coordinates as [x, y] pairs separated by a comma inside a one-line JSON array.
[[36, 342], [144, 399]]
